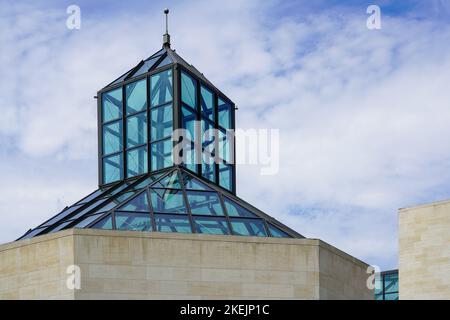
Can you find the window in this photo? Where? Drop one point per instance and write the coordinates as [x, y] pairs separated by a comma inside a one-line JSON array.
[[161, 154], [224, 145], [224, 114], [207, 103], [112, 105], [139, 204], [161, 122], [204, 203], [211, 225], [189, 152], [105, 223], [137, 161], [112, 168], [112, 137], [137, 130], [133, 221], [167, 201], [161, 88], [188, 90], [277, 233], [171, 223], [226, 176], [136, 96], [236, 210], [248, 227]]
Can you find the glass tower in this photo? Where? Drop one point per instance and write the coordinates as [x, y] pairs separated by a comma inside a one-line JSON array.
[[145, 182]]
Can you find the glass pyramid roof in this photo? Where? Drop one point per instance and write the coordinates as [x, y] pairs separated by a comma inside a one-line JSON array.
[[171, 200]]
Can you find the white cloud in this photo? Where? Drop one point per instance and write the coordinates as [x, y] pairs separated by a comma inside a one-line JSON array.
[[363, 114]]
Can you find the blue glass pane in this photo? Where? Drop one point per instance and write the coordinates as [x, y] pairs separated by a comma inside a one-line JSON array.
[[207, 103], [161, 88], [225, 176], [171, 181], [211, 225], [133, 221], [167, 60], [148, 181], [391, 296], [225, 149], [88, 220], [167, 201], [137, 161], [161, 122], [61, 215], [136, 96], [224, 114], [161, 154], [188, 90], [206, 203], [112, 168], [192, 183], [208, 150], [146, 66], [112, 105], [170, 223], [112, 137], [209, 172], [248, 227], [189, 152], [139, 203], [137, 130], [105, 223], [277, 233], [378, 297], [60, 226], [391, 282], [236, 210]]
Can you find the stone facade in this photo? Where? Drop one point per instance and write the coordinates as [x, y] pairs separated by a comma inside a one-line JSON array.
[[137, 265], [424, 251]]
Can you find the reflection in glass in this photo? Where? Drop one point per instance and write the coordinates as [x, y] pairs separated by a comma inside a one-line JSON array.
[[248, 227], [161, 122], [137, 130], [137, 161], [188, 90], [207, 103], [206, 203], [161, 153], [211, 225], [112, 105], [133, 221], [161, 88], [112, 137], [112, 168], [224, 114], [136, 96], [171, 223], [167, 201]]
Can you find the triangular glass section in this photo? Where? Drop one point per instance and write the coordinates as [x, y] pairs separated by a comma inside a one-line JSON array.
[[236, 210], [170, 181], [192, 183], [167, 60], [147, 181], [148, 64], [167, 201], [105, 223], [277, 233], [138, 204]]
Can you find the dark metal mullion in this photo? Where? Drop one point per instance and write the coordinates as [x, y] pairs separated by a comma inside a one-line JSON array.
[[100, 138], [227, 217], [188, 207], [124, 133], [149, 124], [152, 212], [216, 125], [198, 108], [233, 167]]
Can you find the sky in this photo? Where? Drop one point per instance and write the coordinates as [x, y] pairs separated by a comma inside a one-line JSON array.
[[364, 115]]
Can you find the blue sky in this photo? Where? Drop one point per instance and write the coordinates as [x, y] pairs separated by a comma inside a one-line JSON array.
[[363, 114]]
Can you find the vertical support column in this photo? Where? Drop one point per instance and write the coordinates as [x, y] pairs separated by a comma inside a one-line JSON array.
[[100, 139]]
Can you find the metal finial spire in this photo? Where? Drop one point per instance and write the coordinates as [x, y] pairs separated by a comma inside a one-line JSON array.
[[166, 36]]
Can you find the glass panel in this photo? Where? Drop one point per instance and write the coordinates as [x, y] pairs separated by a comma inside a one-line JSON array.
[[379, 284], [188, 123], [391, 282], [137, 130], [277, 233], [148, 181], [161, 122], [188, 90], [60, 226], [105, 223], [88, 220], [133, 221], [121, 78], [139, 203], [164, 62], [204, 203], [225, 176], [161, 153], [112, 168], [112, 137], [61, 215], [93, 195], [236, 210], [145, 67], [391, 296], [33, 233], [171, 181], [170, 223], [225, 146], [161, 88], [112, 105], [211, 225], [137, 161], [136, 96], [378, 297], [248, 227], [192, 183], [207, 103], [208, 150], [167, 201], [224, 114]]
